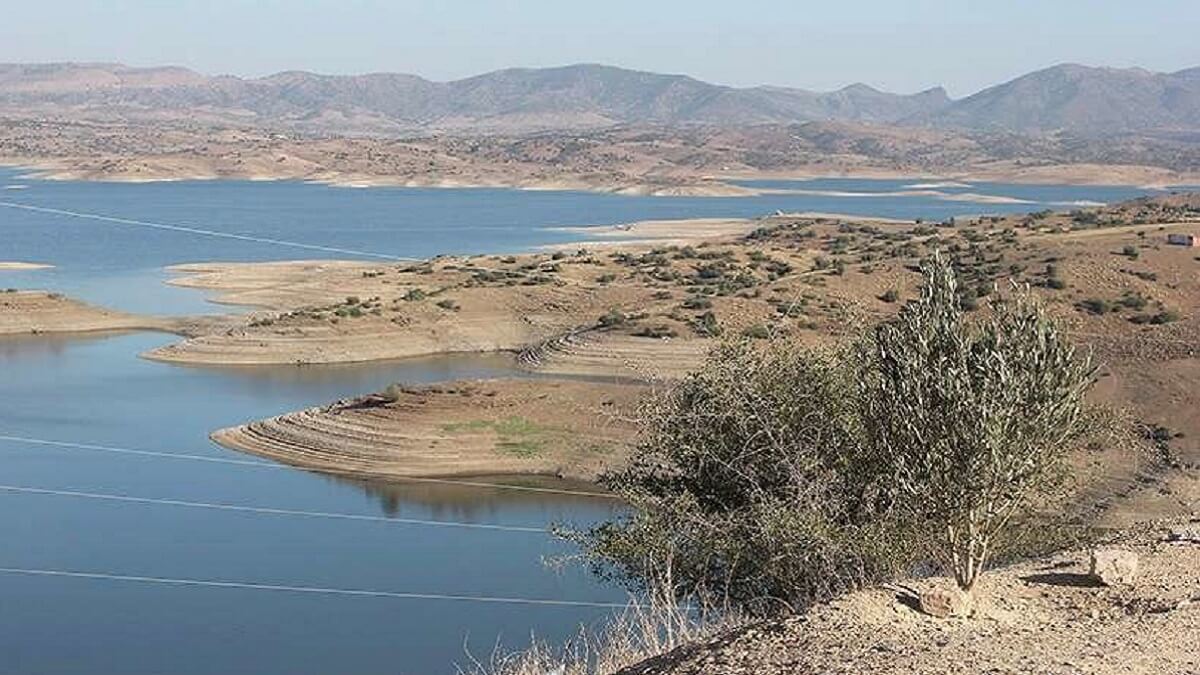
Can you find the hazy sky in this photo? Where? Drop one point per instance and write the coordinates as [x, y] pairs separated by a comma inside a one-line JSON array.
[[893, 44]]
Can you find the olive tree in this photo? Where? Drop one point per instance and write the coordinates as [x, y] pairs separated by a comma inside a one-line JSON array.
[[747, 485], [974, 417], [778, 475]]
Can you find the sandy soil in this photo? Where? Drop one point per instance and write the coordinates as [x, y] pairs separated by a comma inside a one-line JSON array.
[[607, 354], [648, 233], [327, 312], [993, 171], [1043, 616], [565, 428], [23, 312]]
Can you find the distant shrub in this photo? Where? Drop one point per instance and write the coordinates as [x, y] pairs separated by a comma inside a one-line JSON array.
[[613, 318], [1157, 319], [1095, 306], [707, 325], [658, 331], [757, 331]]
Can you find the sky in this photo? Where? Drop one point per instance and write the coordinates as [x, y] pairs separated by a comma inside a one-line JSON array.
[[897, 45]]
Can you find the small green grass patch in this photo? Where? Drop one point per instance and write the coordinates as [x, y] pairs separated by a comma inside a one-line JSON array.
[[515, 435]]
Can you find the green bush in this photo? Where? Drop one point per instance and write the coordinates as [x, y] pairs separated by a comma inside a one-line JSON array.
[[974, 419], [778, 475], [613, 318], [738, 485], [758, 331]]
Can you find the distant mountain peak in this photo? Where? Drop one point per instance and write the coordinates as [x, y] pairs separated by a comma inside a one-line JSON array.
[[1079, 98], [1066, 96]]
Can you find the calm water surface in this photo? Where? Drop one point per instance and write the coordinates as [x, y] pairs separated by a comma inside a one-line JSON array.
[[95, 390], [121, 264]]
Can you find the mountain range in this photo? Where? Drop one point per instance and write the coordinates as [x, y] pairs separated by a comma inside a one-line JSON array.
[[1072, 98]]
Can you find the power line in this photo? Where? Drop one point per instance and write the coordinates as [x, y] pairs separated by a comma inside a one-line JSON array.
[[204, 232], [21, 489], [318, 590], [271, 465]]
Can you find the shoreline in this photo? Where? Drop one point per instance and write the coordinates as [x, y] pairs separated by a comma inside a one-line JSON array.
[[700, 185], [455, 428], [20, 266], [36, 312]]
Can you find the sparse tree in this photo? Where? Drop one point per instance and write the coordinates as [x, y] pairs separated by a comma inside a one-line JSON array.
[[976, 418]]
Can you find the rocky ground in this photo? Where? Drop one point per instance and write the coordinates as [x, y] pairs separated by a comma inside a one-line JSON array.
[[1042, 616], [649, 160]]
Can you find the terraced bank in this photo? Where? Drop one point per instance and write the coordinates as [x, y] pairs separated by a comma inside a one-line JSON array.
[[555, 427]]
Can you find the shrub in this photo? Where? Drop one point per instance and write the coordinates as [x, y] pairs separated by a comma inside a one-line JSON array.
[[613, 318], [707, 325], [657, 331], [1164, 317], [1096, 306], [975, 419], [890, 295], [758, 331], [738, 484], [778, 475]]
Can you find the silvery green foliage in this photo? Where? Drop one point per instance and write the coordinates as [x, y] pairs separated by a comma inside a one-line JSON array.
[[746, 485], [974, 418], [777, 476]]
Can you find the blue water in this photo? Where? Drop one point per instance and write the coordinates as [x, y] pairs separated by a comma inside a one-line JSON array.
[[121, 265], [95, 390]]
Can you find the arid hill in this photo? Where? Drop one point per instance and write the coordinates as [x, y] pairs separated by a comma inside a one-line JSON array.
[[1073, 98], [513, 100], [1079, 99]]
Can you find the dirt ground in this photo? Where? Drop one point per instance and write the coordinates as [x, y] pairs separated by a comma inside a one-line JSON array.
[[1043, 616], [30, 312], [555, 427]]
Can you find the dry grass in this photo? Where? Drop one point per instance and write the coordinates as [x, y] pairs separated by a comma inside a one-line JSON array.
[[643, 630]]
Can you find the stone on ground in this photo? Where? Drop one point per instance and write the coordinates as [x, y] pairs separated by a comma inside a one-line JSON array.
[[945, 601], [1114, 566]]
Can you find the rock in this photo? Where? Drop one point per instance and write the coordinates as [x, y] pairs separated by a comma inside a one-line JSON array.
[[1185, 535], [946, 601], [1114, 566]]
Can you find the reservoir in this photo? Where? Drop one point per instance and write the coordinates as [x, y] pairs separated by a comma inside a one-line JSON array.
[[120, 553]]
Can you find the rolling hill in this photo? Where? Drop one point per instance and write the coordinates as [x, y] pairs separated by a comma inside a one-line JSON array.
[[1070, 98]]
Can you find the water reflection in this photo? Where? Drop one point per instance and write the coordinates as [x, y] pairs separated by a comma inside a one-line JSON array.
[[473, 503]]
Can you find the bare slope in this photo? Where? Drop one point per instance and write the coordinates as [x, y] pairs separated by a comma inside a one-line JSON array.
[[1043, 616], [1081, 99], [518, 99]]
